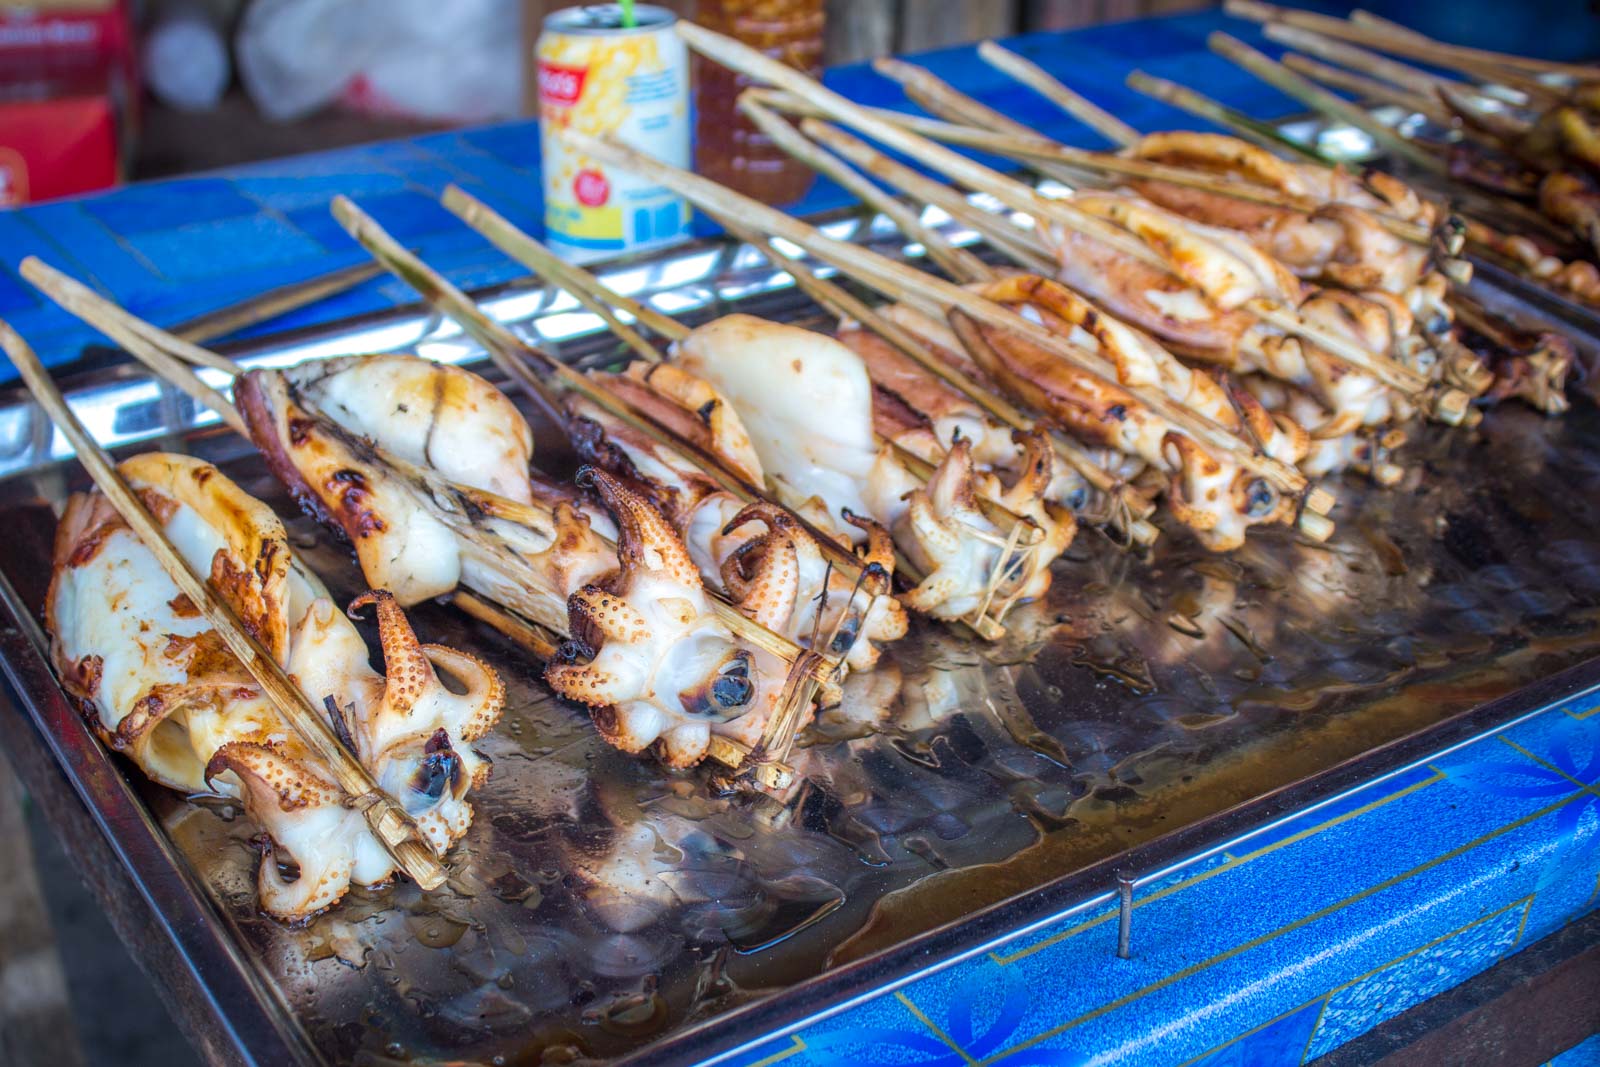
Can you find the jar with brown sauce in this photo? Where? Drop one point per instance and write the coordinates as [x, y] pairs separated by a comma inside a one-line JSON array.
[[728, 147]]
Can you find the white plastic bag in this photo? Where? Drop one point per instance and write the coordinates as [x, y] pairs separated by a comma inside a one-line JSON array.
[[458, 61]]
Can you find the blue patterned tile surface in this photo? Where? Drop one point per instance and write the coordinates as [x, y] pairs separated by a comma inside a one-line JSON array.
[[1283, 943]]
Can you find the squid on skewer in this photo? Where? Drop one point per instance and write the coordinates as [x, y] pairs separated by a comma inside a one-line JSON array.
[[159, 685], [1202, 316], [767, 561], [365, 443], [807, 401], [658, 669], [1341, 242]]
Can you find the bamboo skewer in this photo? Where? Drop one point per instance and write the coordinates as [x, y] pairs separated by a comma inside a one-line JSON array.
[[1405, 43], [1414, 80], [393, 828], [526, 635], [543, 262], [1235, 122], [1370, 89], [968, 121], [539, 259], [1313, 96], [935, 95], [275, 302], [503, 345], [959, 263], [1040, 81], [1013, 240], [897, 279]]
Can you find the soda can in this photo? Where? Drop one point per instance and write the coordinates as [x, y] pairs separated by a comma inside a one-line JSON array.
[[633, 83]]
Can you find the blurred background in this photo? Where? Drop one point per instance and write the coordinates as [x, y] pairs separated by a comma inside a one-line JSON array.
[[97, 91]]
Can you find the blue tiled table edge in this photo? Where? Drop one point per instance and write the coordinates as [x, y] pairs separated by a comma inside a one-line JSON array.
[[1279, 944]]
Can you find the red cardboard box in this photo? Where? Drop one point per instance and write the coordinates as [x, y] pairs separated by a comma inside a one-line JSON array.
[[51, 148], [68, 96]]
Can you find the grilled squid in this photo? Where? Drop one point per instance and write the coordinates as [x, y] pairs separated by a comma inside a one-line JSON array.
[[1197, 306], [808, 402], [655, 666], [770, 565], [159, 685], [424, 468], [1211, 494], [1340, 241]]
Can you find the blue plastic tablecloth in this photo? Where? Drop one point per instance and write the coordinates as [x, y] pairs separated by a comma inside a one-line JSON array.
[[171, 250]]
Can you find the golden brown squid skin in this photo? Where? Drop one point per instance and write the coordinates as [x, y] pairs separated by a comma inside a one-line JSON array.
[[1225, 155], [659, 669], [1218, 501]]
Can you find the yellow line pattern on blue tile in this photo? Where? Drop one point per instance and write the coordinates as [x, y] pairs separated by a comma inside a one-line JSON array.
[[1525, 902], [783, 1054], [933, 1028], [1315, 1025], [1262, 939], [1248, 1033], [1149, 898], [1547, 765]]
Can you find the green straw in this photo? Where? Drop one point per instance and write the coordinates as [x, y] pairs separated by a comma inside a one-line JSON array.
[[628, 22]]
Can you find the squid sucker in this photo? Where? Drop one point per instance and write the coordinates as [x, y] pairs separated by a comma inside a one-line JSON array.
[[157, 684], [656, 667]]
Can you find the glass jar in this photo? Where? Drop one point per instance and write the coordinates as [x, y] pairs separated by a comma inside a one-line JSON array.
[[728, 147]]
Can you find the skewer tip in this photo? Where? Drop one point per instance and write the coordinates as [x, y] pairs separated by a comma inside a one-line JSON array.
[[1317, 527]]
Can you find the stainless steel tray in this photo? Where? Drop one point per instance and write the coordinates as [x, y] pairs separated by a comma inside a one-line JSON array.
[[1147, 707]]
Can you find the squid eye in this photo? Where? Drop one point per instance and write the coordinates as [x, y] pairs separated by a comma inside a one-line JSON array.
[[845, 639], [733, 688], [1077, 498], [1259, 499], [439, 771]]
